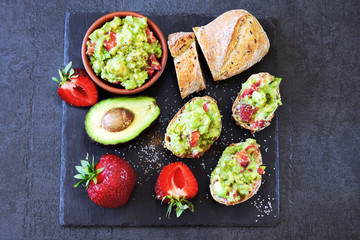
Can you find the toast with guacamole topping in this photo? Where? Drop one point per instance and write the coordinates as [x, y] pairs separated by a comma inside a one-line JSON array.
[[237, 176], [194, 128], [257, 102], [182, 46]]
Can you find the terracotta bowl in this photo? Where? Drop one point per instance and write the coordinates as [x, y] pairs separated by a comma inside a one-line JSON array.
[[118, 89]]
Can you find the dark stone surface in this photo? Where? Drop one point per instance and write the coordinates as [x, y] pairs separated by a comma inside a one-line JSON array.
[[319, 167]]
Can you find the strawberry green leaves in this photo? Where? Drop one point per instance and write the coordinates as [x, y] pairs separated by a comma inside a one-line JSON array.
[[87, 172], [65, 74], [181, 205]]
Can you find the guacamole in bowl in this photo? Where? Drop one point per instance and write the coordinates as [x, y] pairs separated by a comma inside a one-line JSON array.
[[124, 51]]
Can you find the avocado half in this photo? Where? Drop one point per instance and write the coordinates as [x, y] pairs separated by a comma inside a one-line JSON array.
[[120, 119]]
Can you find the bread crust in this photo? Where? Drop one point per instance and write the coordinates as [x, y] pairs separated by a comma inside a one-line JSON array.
[[247, 125], [232, 43], [182, 47], [254, 186], [167, 140]]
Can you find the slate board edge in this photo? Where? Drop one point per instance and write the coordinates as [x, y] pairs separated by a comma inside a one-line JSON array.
[[63, 120]]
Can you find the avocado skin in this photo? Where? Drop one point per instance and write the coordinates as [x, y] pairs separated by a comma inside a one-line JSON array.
[[145, 109]]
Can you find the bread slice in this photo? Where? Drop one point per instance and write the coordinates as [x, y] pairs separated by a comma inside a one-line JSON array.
[[182, 47], [232, 43], [167, 140], [248, 125], [253, 188]]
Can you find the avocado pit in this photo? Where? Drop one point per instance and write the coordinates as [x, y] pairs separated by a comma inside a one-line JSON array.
[[117, 119]]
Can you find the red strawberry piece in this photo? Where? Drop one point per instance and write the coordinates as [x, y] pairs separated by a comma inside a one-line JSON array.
[[176, 185], [243, 158], [150, 36], [90, 47], [249, 90], [246, 112], [260, 171], [257, 125], [76, 87], [206, 106], [109, 44], [150, 71], [153, 62], [193, 138], [109, 183]]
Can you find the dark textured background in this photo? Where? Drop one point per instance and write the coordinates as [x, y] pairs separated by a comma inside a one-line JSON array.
[[318, 56]]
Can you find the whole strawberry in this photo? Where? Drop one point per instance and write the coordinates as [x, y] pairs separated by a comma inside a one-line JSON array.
[[76, 87], [109, 183], [176, 185]]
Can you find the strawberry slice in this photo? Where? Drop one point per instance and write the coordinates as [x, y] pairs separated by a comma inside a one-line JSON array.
[[176, 185], [109, 44], [150, 36], [249, 90], [193, 138], [260, 171], [76, 87]]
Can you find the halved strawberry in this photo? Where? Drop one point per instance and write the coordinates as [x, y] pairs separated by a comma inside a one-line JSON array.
[[109, 44], [176, 185], [76, 87], [150, 36]]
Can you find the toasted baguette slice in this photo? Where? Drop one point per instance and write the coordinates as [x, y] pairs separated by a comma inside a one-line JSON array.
[[182, 46], [232, 43], [257, 121], [194, 152], [254, 187]]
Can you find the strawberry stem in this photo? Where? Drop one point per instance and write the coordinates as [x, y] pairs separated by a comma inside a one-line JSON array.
[[181, 205], [66, 73], [87, 172]]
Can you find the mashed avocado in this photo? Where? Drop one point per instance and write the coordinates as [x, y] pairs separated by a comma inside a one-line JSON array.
[[259, 99], [199, 125], [265, 98], [236, 170], [119, 51]]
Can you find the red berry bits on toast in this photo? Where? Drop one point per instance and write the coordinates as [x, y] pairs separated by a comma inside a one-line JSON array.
[[257, 102]]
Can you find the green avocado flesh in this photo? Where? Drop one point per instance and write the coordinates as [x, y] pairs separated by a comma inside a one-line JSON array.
[[200, 115], [261, 92], [230, 179], [121, 119], [126, 62]]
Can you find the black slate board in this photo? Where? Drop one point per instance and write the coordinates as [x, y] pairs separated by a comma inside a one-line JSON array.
[[147, 155]]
